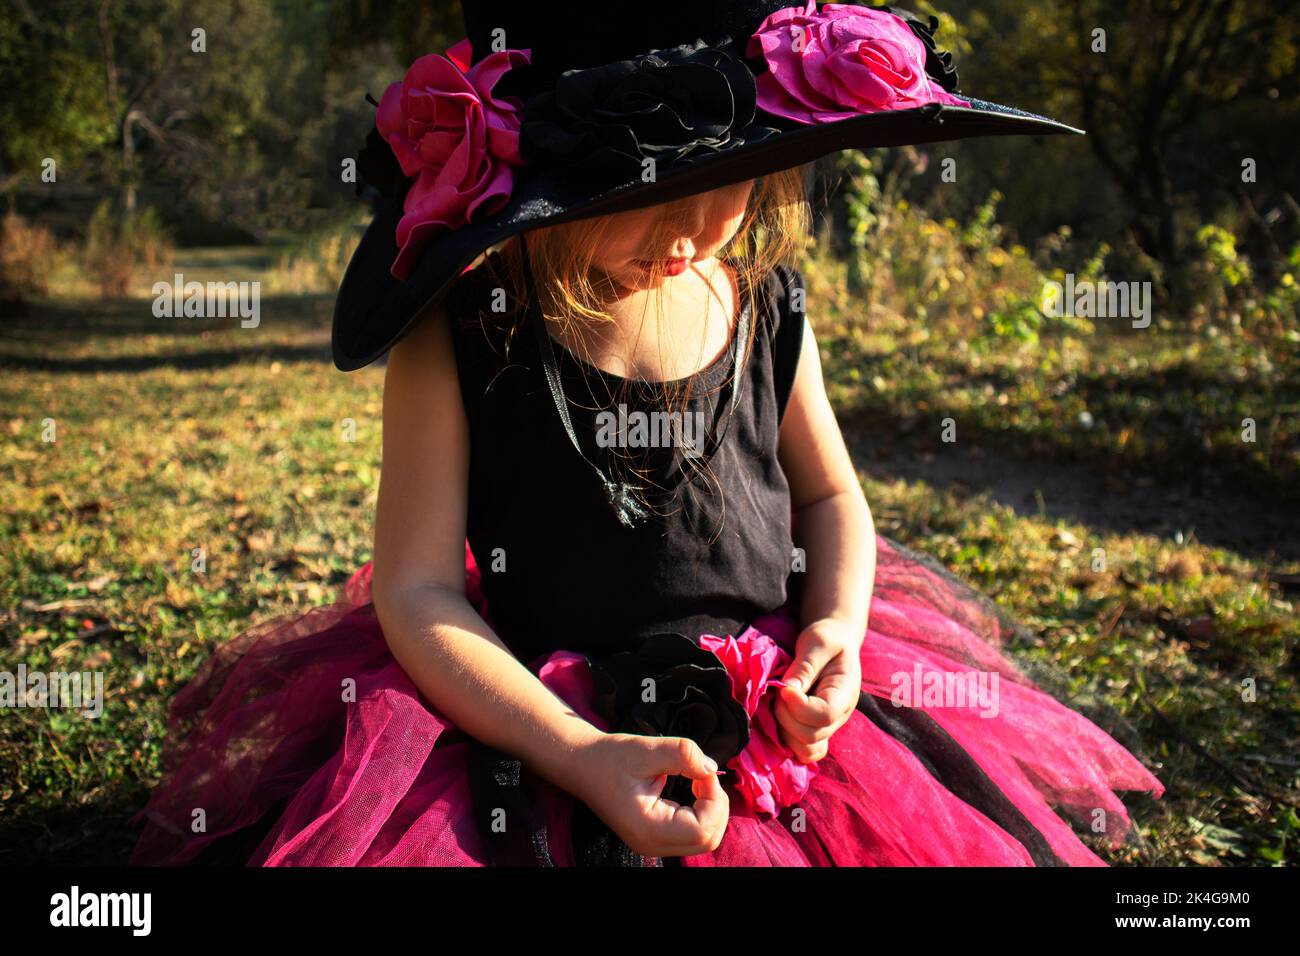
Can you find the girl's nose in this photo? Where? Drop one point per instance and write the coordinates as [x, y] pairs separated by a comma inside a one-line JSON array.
[[685, 223], [687, 220], [693, 220]]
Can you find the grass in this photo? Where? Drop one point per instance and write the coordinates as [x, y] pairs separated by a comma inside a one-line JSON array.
[[1162, 401], [173, 435]]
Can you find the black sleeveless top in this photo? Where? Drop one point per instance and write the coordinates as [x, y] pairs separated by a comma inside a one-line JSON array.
[[558, 568]]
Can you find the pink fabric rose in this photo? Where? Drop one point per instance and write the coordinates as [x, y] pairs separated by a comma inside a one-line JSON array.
[[841, 62], [769, 776], [458, 140]]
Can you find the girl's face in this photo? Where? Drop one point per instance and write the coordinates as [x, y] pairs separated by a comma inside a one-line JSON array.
[[670, 236]]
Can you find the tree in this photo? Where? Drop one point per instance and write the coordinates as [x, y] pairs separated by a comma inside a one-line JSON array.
[[51, 106], [1144, 77]]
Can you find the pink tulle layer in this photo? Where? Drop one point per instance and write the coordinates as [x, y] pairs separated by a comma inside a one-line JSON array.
[[309, 721]]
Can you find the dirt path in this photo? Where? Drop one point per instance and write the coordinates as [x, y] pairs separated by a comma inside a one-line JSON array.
[[1220, 516]]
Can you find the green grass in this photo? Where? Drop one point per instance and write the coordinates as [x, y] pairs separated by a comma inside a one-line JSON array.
[[1159, 400], [177, 434], [171, 435]]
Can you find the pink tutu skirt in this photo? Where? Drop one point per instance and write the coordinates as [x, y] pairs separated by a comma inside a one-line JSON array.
[[303, 743]]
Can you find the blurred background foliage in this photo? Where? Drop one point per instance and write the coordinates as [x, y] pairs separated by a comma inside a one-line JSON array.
[[243, 143]]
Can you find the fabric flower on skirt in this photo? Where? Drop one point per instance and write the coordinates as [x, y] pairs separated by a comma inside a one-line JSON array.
[[455, 138], [672, 687], [720, 693], [769, 776], [845, 60]]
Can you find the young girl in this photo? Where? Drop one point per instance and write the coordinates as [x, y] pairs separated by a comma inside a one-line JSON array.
[[627, 602]]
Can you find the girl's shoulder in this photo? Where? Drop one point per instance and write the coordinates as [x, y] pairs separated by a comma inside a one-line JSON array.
[[786, 311], [483, 324], [478, 292], [481, 311], [782, 294]]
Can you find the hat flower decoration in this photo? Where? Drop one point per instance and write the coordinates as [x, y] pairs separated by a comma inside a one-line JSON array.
[[454, 138], [844, 60], [487, 140]]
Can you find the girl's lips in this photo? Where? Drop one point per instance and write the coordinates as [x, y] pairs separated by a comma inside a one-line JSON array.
[[671, 267]]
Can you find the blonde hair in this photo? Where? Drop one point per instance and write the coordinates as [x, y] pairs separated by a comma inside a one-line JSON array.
[[775, 227]]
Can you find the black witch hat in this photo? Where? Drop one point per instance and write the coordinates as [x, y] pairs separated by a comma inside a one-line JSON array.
[[555, 111]]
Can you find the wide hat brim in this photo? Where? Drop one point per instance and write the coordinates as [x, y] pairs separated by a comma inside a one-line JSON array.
[[375, 309]]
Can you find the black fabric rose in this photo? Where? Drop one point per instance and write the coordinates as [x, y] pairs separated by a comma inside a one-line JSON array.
[[938, 63], [668, 105], [672, 687]]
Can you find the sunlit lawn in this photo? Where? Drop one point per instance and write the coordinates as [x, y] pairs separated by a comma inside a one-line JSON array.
[[177, 435]]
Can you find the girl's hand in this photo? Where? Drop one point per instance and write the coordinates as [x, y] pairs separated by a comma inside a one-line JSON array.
[[822, 687], [621, 778]]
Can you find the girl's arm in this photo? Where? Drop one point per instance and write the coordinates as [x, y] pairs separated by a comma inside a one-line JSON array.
[[831, 519], [442, 643], [453, 656], [832, 523]]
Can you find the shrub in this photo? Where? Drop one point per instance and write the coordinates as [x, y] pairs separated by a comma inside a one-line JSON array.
[[116, 250], [316, 264], [28, 255], [1224, 285], [969, 277]]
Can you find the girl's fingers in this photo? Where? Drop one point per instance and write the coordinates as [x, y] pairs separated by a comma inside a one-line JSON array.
[[685, 831], [712, 807], [811, 753], [810, 743], [812, 654], [836, 694], [807, 749], [797, 730], [811, 711], [681, 756], [841, 693]]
